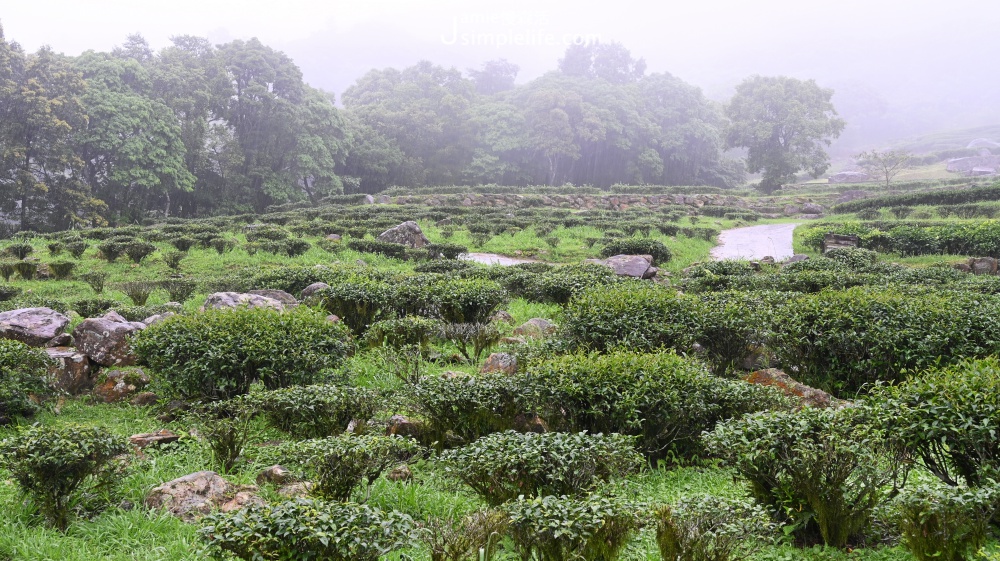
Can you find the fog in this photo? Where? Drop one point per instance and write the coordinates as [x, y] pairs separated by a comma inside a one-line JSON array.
[[898, 68]]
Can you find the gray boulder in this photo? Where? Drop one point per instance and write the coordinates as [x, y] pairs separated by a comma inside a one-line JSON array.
[[850, 177], [312, 289], [285, 298], [200, 493], [69, 370], [228, 300], [535, 328], [32, 326], [408, 233], [106, 339], [636, 266]]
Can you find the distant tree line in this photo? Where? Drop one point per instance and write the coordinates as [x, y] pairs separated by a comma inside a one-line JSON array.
[[199, 129]]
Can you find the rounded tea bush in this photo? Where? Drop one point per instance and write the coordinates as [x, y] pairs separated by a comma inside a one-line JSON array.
[[306, 530], [638, 246], [218, 354], [22, 373]]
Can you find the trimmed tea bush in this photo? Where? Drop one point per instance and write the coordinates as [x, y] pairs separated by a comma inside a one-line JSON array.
[[502, 466], [709, 528], [95, 279], [218, 354], [446, 250], [94, 307], [388, 249], [53, 465], [664, 400], [139, 250], [343, 463], [642, 318], [409, 331], [22, 374], [316, 411], [638, 246], [843, 341], [564, 529], [307, 530], [469, 406], [825, 468], [61, 270], [478, 533], [8, 292], [947, 419], [358, 301], [26, 269], [943, 523]]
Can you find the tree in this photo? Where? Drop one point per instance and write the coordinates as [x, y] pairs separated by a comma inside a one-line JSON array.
[[884, 164], [495, 77], [607, 61], [784, 124]]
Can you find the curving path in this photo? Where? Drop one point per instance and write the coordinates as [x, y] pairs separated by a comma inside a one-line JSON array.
[[755, 242]]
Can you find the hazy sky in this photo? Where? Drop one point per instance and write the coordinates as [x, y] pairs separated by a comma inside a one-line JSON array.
[[921, 53]]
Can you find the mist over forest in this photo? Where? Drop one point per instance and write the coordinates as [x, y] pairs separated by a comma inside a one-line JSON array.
[[193, 125]]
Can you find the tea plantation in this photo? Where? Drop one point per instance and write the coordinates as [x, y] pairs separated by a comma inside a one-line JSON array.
[[297, 385]]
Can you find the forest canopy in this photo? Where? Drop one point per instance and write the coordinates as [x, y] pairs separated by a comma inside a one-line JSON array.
[[199, 129]]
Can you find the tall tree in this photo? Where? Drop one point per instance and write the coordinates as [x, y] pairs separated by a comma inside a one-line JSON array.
[[131, 147], [784, 123], [40, 113], [608, 61], [424, 110], [495, 76], [266, 87], [884, 164]]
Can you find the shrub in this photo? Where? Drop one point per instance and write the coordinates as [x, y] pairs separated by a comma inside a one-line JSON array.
[[467, 300], [638, 246], [502, 466], [7, 270], [388, 249], [111, 250], [709, 528], [22, 374], [664, 400], [173, 259], [409, 331], [446, 250], [26, 269], [737, 326], [8, 292], [306, 530], [95, 279], [469, 406], [139, 250], [560, 284], [55, 248], [642, 318], [825, 468], [265, 232], [943, 523], [846, 340], [20, 250], [137, 291], [53, 465], [855, 258], [219, 353], [223, 245], [226, 427], [358, 301], [77, 248], [946, 418], [62, 269], [443, 266], [472, 339], [139, 313], [341, 464], [563, 529], [475, 536], [183, 243], [295, 247], [94, 307], [316, 411], [179, 290]]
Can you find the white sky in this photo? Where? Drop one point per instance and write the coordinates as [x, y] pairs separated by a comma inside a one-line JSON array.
[[919, 51]]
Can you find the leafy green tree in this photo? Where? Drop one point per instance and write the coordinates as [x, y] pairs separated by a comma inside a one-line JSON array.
[[131, 146], [784, 124], [884, 164], [495, 76], [608, 61], [40, 113]]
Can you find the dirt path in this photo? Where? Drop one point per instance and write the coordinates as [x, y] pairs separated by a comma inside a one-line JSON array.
[[495, 259], [755, 242]]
